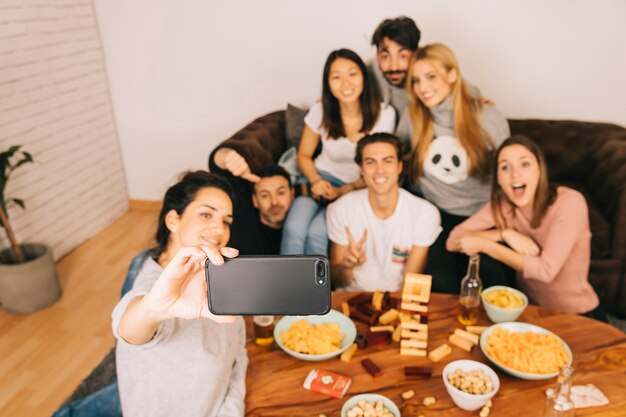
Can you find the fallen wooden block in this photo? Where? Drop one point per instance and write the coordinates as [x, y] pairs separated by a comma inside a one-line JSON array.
[[345, 308], [395, 336], [388, 316], [388, 328], [418, 371], [347, 354], [377, 300], [460, 342], [371, 368], [439, 353], [474, 338], [476, 329]]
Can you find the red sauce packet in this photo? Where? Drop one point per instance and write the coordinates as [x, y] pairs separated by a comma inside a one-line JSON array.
[[327, 383]]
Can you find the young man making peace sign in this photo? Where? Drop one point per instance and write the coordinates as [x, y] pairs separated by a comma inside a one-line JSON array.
[[381, 232]]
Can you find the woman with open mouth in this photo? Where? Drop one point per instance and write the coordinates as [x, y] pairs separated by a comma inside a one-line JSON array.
[[540, 231]]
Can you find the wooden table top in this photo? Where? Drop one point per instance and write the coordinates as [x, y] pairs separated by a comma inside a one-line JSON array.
[[274, 379]]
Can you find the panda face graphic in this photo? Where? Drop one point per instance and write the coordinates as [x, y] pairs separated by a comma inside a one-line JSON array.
[[446, 160]]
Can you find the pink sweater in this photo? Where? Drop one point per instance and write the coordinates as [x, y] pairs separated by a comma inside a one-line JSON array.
[[557, 277]]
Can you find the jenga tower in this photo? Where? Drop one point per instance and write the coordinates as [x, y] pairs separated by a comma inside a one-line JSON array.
[[414, 314]]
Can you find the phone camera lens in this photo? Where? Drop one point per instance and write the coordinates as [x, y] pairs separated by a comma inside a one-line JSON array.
[[321, 269]]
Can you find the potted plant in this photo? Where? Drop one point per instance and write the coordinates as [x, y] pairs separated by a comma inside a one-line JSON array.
[[28, 277]]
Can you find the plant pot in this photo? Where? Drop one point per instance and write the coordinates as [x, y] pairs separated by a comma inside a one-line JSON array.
[[29, 286]]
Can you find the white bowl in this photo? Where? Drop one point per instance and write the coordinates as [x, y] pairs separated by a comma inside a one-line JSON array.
[[369, 398], [518, 327], [499, 314], [465, 400], [346, 325]]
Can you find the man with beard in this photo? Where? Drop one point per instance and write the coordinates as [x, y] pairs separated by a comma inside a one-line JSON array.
[[262, 200], [396, 41]]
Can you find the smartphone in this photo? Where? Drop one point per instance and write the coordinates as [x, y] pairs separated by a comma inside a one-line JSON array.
[[269, 285]]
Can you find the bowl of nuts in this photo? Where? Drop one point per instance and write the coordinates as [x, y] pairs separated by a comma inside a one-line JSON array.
[[470, 384], [374, 405]]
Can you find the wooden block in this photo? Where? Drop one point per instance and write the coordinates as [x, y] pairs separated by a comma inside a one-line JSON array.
[[404, 316], [360, 298], [413, 343], [345, 308], [414, 307], [388, 316], [476, 329], [474, 338], [395, 336], [408, 334], [411, 325], [371, 367], [377, 300], [347, 354], [439, 353], [417, 286], [412, 352], [388, 328], [461, 342]]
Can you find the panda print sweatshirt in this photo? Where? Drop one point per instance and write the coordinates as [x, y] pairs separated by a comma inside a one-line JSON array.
[[445, 179]]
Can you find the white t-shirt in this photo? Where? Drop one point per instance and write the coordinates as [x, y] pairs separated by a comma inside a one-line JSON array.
[[337, 156], [415, 222]]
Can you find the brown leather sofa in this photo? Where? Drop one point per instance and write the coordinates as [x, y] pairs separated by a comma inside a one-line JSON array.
[[590, 157]]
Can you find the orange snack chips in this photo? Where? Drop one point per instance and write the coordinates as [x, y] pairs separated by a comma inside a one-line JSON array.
[[530, 352]]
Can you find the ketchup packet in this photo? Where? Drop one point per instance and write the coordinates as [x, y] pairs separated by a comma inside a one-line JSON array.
[[327, 383]]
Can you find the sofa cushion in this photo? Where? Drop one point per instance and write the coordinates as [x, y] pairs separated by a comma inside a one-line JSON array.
[[600, 228], [294, 125]]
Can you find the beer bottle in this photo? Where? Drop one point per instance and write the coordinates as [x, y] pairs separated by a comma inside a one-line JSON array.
[[469, 298]]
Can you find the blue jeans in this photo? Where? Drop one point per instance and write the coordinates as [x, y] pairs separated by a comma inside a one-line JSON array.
[[304, 231], [102, 403]]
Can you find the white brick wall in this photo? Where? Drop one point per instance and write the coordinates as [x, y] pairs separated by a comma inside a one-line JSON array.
[[54, 100]]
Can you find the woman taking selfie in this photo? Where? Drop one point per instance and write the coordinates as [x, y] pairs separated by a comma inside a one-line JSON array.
[[173, 356], [539, 231], [453, 138], [349, 109]]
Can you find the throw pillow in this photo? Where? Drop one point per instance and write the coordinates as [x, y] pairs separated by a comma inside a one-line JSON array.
[[294, 125]]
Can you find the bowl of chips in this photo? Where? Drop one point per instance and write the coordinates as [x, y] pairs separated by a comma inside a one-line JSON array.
[[503, 303], [374, 404], [525, 351], [315, 338]]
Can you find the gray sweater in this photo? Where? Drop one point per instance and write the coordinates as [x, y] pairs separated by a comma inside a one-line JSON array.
[[445, 180], [192, 368]]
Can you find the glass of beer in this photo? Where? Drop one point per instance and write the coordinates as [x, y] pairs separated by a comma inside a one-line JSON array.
[[263, 330]]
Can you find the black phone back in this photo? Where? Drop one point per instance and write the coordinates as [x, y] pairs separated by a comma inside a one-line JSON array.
[[276, 285]]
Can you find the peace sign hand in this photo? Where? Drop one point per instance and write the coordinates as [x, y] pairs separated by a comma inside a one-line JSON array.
[[355, 253]]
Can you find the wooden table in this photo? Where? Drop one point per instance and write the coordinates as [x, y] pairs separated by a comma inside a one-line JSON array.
[[274, 380]]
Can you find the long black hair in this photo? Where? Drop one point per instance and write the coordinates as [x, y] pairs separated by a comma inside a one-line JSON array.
[[178, 197], [369, 100]]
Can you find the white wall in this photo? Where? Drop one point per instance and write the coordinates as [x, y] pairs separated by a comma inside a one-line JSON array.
[[54, 101], [186, 74]]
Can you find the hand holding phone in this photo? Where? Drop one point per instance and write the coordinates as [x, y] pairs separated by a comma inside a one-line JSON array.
[[269, 285]]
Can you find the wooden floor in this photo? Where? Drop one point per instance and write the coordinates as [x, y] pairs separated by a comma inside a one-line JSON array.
[[45, 355]]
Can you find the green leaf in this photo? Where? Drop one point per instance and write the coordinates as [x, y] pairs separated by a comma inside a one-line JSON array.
[[19, 202]]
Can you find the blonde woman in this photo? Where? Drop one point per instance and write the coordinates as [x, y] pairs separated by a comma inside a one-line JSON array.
[[453, 139]]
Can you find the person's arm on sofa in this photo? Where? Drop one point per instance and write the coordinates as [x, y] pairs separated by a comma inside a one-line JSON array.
[[229, 160]]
